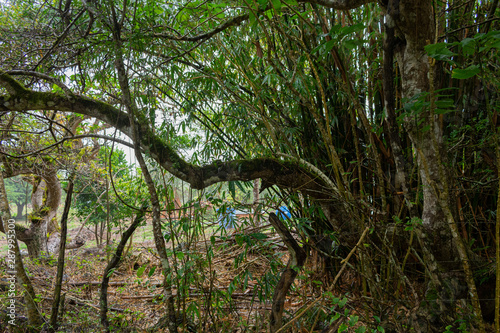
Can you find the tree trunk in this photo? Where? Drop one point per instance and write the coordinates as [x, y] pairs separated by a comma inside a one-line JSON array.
[[20, 210], [440, 244], [60, 259], [45, 199], [37, 244], [15, 262], [132, 110], [295, 263], [103, 298]]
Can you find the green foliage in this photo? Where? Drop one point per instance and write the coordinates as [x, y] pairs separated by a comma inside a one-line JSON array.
[[18, 191], [472, 49], [97, 198], [465, 73]]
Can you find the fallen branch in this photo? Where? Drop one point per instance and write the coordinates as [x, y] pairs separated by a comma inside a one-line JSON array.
[[233, 295], [77, 301], [342, 269], [98, 283]]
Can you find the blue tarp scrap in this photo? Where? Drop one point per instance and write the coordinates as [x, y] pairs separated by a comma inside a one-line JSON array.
[[227, 219], [283, 213]]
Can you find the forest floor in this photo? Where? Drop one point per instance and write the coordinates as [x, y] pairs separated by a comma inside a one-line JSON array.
[[225, 285], [222, 282]]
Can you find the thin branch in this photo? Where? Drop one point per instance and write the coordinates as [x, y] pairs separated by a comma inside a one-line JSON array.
[[76, 137], [59, 39], [44, 77], [235, 21], [339, 4], [13, 87], [487, 22]]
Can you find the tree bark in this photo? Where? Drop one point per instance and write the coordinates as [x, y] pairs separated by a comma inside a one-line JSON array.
[[103, 298], [20, 210], [441, 245], [256, 207], [294, 265], [45, 200], [15, 264], [60, 259]]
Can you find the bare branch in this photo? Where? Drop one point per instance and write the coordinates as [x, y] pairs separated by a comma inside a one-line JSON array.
[[339, 4], [44, 77], [235, 21], [76, 137], [59, 39]]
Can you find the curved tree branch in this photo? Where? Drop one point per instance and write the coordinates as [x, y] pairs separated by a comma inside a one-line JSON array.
[[235, 21], [339, 4], [287, 174], [76, 137], [42, 76]]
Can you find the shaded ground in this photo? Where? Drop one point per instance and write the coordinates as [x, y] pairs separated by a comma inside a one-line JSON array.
[[216, 291], [222, 283]]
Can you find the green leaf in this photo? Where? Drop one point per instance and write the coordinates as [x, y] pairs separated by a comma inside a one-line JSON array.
[[351, 44], [152, 271], [353, 320], [335, 317], [180, 255], [277, 5], [468, 46], [240, 239], [141, 270], [259, 235], [351, 29], [232, 189], [361, 329], [440, 51], [56, 88], [152, 116], [343, 327], [324, 48], [263, 4], [466, 73], [252, 19], [240, 186], [343, 302], [111, 271]]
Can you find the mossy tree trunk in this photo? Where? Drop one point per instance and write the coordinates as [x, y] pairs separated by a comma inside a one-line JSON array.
[[442, 245], [16, 264], [46, 198]]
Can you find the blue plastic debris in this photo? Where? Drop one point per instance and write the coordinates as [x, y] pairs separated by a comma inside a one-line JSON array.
[[283, 213], [227, 219]]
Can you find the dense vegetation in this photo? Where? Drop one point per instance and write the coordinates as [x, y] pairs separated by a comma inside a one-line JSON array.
[[376, 122]]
